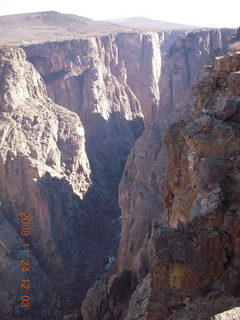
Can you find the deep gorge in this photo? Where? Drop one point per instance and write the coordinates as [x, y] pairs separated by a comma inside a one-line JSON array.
[[83, 125]]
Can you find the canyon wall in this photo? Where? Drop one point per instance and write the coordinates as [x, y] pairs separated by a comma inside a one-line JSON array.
[[143, 203], [63, 165], [194, 260], [140, 192], [111, 82], [44, 172], [64, 144]]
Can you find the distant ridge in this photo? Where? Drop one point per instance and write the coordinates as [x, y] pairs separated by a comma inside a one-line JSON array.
[[36, 27], [49, 17], [142, 23]]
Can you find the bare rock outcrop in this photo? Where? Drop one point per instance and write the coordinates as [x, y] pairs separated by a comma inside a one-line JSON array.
[[194, 261], [64, 164], [140, 191], [89, 77], [111, 82], [181, 244], [108, 82], [42, 149]]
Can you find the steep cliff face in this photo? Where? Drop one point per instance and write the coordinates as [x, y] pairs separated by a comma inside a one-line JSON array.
[[88, 77], [145, 207], [64, 165], [194, 263], [111, 82], [42, 149], [140, 192], [108, 82]]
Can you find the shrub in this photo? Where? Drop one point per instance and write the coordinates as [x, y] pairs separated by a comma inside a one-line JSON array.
[[234, 47]]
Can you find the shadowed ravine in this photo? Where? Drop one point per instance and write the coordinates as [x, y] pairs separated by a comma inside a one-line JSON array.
[[82, 145]]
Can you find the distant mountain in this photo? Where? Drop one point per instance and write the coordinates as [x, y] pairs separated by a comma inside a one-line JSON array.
[[150, 24], [50, 26]]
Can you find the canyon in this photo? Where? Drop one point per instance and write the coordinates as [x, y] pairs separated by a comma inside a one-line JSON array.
[[133, 213]]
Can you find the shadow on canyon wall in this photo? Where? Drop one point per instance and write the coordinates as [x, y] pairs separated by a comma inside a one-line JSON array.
[[83, 234]]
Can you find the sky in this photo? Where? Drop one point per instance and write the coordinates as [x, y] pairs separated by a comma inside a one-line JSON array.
[[205, 13]]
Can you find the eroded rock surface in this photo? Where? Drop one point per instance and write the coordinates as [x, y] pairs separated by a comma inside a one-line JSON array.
[[64, 165], [44, 171], [140, 191], [73, 199], [89, 77], [194, 263], [185, 255]]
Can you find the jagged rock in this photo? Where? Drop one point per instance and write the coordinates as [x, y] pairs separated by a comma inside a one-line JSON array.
[[96, 78], [176, 285], [93, 308], [178, 183], [193, 264], [42, 149], [199, 259], [16, 91], [119, 283], [109, 300], [233, 314], [140, 191], [231, 108], [221, 64], [139, 300], [112, 82], [97, 89], [186, 263]]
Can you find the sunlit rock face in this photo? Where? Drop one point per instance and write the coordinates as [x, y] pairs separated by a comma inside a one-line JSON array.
[[45, 172], [64, 144], [89, 77], [194, 261], [112, 83], [140, 191], [67, 176], [173, 254]]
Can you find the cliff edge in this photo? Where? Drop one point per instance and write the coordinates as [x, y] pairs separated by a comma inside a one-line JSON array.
[[189, 263]]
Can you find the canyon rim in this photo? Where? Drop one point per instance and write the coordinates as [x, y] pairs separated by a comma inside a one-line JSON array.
[[121, 148]]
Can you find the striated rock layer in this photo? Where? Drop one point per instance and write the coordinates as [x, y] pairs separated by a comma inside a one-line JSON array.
[[64, 165], [73, 203], [44, 171], [140, 192], [71, 193], [167, 267], [194, 262]]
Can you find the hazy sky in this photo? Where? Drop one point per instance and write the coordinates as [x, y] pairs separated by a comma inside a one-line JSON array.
[[212, 13]]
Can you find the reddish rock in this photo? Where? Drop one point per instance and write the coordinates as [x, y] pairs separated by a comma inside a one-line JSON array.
[[186, 248]]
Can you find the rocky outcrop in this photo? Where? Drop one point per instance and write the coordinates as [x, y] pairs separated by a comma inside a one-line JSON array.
[[89, 77], [45, 167], [97, 79], [64, 165], [140, 192], [110, 82], [44, 171], [181, 259], [195, 263]]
